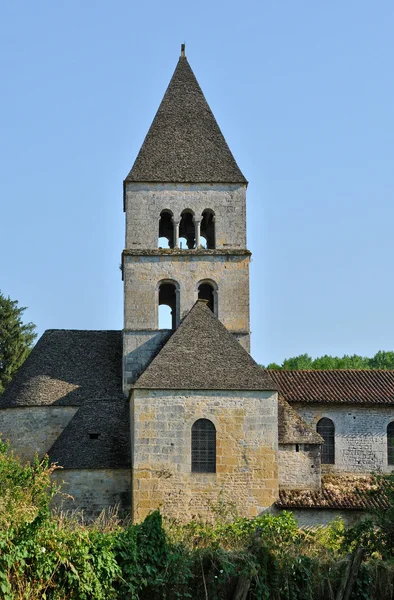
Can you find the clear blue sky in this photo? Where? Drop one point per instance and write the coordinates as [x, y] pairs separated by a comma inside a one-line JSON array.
[[304, 94]]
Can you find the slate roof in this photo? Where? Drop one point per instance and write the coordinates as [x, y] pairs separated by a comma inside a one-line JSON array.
[[292, 429], [68, 367], [110, 420], [203, 355], [184, 143], [337, 492], [336, 386]]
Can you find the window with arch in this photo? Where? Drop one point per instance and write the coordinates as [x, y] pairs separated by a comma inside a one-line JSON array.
[[187, 230], [326, 428], [390, 443], [207, 291], [168, 305], [203, 447], [166, 230], [208, 229]]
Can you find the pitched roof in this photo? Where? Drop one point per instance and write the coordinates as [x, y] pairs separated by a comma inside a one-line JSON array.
[[184, 143], [336, 386], [292, 429], [75, 449], [203, 355], [337, 492], [68, 367]]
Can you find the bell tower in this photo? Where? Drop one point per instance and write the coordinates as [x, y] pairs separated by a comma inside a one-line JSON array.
[[185, 205]]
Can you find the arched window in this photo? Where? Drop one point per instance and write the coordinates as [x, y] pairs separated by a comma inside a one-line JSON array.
[[203, 447], [208, 228], [168, 297], [206, 292], [326, 428], [166, 230], [390, 443], [187, 230]]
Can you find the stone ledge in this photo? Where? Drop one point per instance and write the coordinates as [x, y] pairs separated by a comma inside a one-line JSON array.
[[180, 252]]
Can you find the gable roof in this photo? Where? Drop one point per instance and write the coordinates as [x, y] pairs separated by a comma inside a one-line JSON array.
[[203, 355], [184, 143], [68, 367], [336, 386], [110, 420], [292, 429]]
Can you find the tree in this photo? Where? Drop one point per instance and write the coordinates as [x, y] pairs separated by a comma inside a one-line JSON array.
[[16, 339], [381, 360]]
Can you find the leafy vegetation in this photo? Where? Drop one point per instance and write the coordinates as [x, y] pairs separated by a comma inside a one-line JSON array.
[[16, 339], [49, 556], [381, 360]]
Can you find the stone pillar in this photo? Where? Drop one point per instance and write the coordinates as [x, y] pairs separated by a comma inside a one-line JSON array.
[[197, 223], [176, 232]]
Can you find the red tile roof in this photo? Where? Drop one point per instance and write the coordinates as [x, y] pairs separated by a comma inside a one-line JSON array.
[[337, 492], [343, 386]]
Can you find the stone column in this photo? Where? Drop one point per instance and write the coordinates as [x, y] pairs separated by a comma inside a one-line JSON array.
[[197, 223], [176, 222]]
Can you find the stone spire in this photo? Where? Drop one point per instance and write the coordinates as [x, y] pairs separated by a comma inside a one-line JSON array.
[[184, 143]]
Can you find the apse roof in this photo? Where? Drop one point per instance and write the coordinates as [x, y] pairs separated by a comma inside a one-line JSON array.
[[184, 143], [203, 355]]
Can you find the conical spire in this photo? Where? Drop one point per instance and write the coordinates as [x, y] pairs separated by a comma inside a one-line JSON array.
[[184, 143]]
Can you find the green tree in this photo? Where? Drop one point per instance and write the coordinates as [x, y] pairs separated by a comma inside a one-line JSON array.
[[381, 360], [16, 339]]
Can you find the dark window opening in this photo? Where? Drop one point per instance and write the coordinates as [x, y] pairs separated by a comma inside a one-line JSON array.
[[208, 229], [166, 230], [94, 436], [205, 292], [326, 428], [167, 297], [390, 443], [187, 231], [203, 447], [297, 447]]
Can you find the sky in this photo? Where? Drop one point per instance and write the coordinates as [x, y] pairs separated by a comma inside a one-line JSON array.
[[304, 94]]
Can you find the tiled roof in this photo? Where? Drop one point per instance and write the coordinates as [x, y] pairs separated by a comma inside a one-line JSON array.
[[68, 367], [337, 492], [109, 448], [184, 143], [336, 386], [203, 355], [292, 429]]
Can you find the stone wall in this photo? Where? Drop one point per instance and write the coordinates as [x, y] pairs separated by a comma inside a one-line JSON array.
[[315, 517], [299, 466], [145, 201], [360, 435], [93, 490], [246, 444], [34, 429]]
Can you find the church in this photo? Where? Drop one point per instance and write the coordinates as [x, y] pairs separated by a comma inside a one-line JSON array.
[[183, 418]]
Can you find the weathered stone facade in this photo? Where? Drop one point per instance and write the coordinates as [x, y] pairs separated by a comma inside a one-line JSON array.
[[299, 466], [246, 451], [360, 435]]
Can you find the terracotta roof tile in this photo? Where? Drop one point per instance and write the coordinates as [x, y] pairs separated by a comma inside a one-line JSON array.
[[337, 492], [336, 386]]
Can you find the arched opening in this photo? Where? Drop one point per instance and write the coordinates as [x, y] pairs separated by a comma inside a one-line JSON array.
[[326, 428], [187, 232], [203, 446], [167, 300], [390, 443], [166, 230], [208, 228], [206, 292]]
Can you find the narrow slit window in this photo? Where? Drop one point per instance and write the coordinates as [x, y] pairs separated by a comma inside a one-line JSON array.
[[203, 447], [326, 428], [390, 443]]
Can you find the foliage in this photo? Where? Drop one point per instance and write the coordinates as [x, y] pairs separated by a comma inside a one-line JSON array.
[[381, 360], [16, 339], [49, 556]]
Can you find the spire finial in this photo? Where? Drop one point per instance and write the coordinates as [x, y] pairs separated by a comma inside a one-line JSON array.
[[183, 49]]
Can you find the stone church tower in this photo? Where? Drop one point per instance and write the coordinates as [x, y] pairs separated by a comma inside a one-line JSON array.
[[186, 192]]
